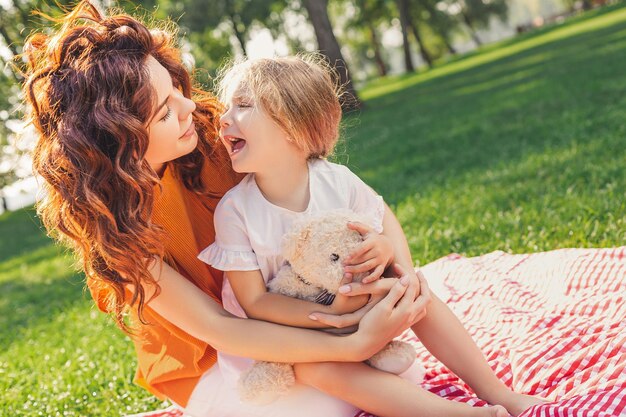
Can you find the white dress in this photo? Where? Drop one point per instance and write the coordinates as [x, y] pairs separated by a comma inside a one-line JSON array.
[[248, 233]]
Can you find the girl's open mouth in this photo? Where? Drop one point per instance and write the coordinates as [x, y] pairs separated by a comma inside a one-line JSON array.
[[236, 144]]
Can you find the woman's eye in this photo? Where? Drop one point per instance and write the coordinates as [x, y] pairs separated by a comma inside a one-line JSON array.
[[167, 115]]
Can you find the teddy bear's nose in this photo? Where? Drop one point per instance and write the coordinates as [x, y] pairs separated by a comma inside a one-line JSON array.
[[334, 257]]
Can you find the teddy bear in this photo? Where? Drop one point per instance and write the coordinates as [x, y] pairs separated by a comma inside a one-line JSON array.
[[313, 251]]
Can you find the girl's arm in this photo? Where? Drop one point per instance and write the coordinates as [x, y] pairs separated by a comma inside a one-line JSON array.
[[393, 230], [187, 307], [251, 292]]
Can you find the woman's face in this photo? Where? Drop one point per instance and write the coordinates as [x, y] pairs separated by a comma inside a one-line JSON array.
[[171, 131]]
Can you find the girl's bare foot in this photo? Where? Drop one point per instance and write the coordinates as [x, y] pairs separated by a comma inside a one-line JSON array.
[[497, 411], [516, 403]]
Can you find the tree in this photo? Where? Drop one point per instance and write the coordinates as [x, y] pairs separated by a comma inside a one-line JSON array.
[[415, 24], [476, 14], [240, 15], [440, 22], [369, 15], [16, 23], [318, 15], [405, 23]]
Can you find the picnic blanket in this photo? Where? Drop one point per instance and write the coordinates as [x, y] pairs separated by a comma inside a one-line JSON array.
[[551, 324]]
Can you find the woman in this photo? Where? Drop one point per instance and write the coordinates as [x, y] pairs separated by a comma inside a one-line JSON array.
[[132, 176]]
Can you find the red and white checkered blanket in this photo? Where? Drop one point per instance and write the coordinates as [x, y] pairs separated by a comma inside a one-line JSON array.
[[551, 324]]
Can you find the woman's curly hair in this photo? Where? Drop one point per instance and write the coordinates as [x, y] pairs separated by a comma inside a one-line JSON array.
[[90, 99]]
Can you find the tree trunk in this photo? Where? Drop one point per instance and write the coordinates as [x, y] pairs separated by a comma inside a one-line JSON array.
[[378, 58], [443, 34], [403, 9], [448, 45], [423, 52], [470, 26], [328, 45], [9, 42], [238, 34]]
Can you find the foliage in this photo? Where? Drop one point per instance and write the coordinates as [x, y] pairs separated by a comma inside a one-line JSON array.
[[507, 148], [364, 32]]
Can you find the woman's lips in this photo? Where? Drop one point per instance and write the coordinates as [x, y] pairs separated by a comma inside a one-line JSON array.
[[190, 131]]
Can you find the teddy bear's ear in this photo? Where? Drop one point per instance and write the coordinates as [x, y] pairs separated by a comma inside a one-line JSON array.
[[294, 241]]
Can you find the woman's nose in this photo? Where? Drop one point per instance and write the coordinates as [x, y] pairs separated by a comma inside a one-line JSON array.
[[188, 107]]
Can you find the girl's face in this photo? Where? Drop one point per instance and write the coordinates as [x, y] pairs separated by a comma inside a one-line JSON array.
[[255, 143], [171, 131]]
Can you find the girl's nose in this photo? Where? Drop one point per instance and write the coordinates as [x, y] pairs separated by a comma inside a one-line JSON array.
[[225, 119]]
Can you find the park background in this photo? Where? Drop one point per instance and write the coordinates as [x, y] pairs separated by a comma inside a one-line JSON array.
[[511, 138]]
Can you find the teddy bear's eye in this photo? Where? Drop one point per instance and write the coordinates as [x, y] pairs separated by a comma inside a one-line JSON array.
[[334, 257]]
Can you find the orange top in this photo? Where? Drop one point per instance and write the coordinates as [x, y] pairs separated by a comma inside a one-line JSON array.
[[170, 361]]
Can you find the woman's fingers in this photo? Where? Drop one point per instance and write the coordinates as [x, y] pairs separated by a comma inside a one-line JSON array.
[[381, 286], [423, 300], [412, 291], [343, 320], [395, 294]]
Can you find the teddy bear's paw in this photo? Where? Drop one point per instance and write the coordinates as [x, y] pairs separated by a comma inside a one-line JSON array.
[[394, 358], [264, 382]]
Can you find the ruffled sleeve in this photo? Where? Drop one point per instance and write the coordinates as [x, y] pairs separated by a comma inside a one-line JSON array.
[[364, 200], [228, 259], [231, 250]]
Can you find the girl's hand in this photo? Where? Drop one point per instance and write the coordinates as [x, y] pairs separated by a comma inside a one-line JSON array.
[[374, 255], [343, 304]]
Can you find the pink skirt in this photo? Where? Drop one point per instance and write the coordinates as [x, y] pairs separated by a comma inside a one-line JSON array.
[[215, 396]]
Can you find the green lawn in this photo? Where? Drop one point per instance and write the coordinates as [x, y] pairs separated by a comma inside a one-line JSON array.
[[519, 147]]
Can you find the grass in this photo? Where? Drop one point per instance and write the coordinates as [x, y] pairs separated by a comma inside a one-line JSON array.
[[518, 147]]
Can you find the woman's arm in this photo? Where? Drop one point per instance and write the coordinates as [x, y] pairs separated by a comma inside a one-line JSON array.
[[251, 292], [187, 307]]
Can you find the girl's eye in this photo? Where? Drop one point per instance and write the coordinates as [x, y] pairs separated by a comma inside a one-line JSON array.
[[244, 105], [167, 115]]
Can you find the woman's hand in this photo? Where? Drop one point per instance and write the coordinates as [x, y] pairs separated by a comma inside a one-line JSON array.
[[417, 292], [374, 255], [397, 311], [382, 286]]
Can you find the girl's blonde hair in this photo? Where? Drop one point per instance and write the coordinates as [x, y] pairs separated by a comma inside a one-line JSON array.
[[300, 93]]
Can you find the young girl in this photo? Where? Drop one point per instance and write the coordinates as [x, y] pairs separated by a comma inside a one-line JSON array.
[[281, 122]]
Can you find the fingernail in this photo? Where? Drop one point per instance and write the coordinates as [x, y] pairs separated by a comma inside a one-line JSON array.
[[404, 280], [312, 317], [344, 289]]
